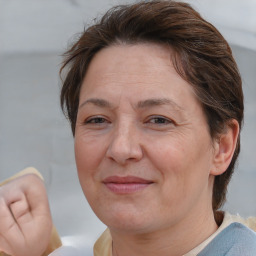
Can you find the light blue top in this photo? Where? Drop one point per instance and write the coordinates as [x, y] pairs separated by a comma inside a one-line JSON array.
[[234, 240]]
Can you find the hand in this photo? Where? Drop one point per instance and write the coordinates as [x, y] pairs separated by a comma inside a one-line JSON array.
[[25, 219]]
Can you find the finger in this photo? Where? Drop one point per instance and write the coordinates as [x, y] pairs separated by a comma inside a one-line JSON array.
[[4, 246], [25, 220], [9, 230], [6, 219], [39, 209], [37, 197], [21, 211]]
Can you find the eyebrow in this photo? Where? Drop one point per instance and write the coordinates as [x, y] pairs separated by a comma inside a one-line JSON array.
[[97, 102], [141, 104], [158, 102]]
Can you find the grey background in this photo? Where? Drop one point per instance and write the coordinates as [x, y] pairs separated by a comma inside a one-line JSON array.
[[33, 131]]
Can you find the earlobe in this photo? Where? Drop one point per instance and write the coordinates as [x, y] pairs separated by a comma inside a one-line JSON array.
[[224, 147]]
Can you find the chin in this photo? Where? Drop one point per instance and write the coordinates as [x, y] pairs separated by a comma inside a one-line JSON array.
[[126, 221]]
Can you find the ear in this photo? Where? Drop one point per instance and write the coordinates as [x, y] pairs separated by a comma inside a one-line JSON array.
[[224, 147]]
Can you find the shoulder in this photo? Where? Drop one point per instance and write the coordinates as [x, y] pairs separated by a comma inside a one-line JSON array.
[[236, 239]]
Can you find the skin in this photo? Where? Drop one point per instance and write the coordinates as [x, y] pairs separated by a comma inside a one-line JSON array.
[[25, 219], [146, 122], [138, 117]]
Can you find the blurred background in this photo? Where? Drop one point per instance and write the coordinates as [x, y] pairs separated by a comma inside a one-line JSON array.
[[34, 132]]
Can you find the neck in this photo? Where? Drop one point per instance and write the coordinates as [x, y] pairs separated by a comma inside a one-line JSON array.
[[171, 241]]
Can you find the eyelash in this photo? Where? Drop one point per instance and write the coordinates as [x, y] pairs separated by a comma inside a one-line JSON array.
[[98, 120], [93, 120], [162, 120]]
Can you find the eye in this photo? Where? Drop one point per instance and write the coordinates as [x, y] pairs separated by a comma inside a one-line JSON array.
[[159, 120], [97, 120]]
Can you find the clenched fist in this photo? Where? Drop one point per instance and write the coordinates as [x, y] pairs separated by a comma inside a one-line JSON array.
[[25, 219]]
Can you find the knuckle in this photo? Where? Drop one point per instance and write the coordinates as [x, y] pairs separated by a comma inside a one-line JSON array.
[[19, 209]]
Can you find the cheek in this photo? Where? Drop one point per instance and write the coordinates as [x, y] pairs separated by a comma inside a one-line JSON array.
[[88, 155], [181, 165], [86, 161], [167, 156]]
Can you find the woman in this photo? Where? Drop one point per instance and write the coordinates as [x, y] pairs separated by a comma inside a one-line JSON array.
[[155, 103]]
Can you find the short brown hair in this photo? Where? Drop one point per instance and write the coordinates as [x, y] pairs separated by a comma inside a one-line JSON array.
[[202, 57]]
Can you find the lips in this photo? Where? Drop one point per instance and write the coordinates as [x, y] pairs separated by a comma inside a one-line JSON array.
[[127, 184]]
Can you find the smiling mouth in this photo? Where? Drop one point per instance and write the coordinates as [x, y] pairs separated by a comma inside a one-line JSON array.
[[126, 185]]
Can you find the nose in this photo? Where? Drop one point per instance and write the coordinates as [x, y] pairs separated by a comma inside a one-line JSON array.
[[125, 145]]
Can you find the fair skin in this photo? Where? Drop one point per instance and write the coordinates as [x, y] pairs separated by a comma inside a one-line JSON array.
[[25, 220], [145, 159]]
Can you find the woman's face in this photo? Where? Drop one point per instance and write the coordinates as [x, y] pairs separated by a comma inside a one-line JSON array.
[[143, 150]]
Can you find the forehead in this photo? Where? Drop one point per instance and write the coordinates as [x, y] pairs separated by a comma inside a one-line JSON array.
[[125, 58], [137, 72]]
